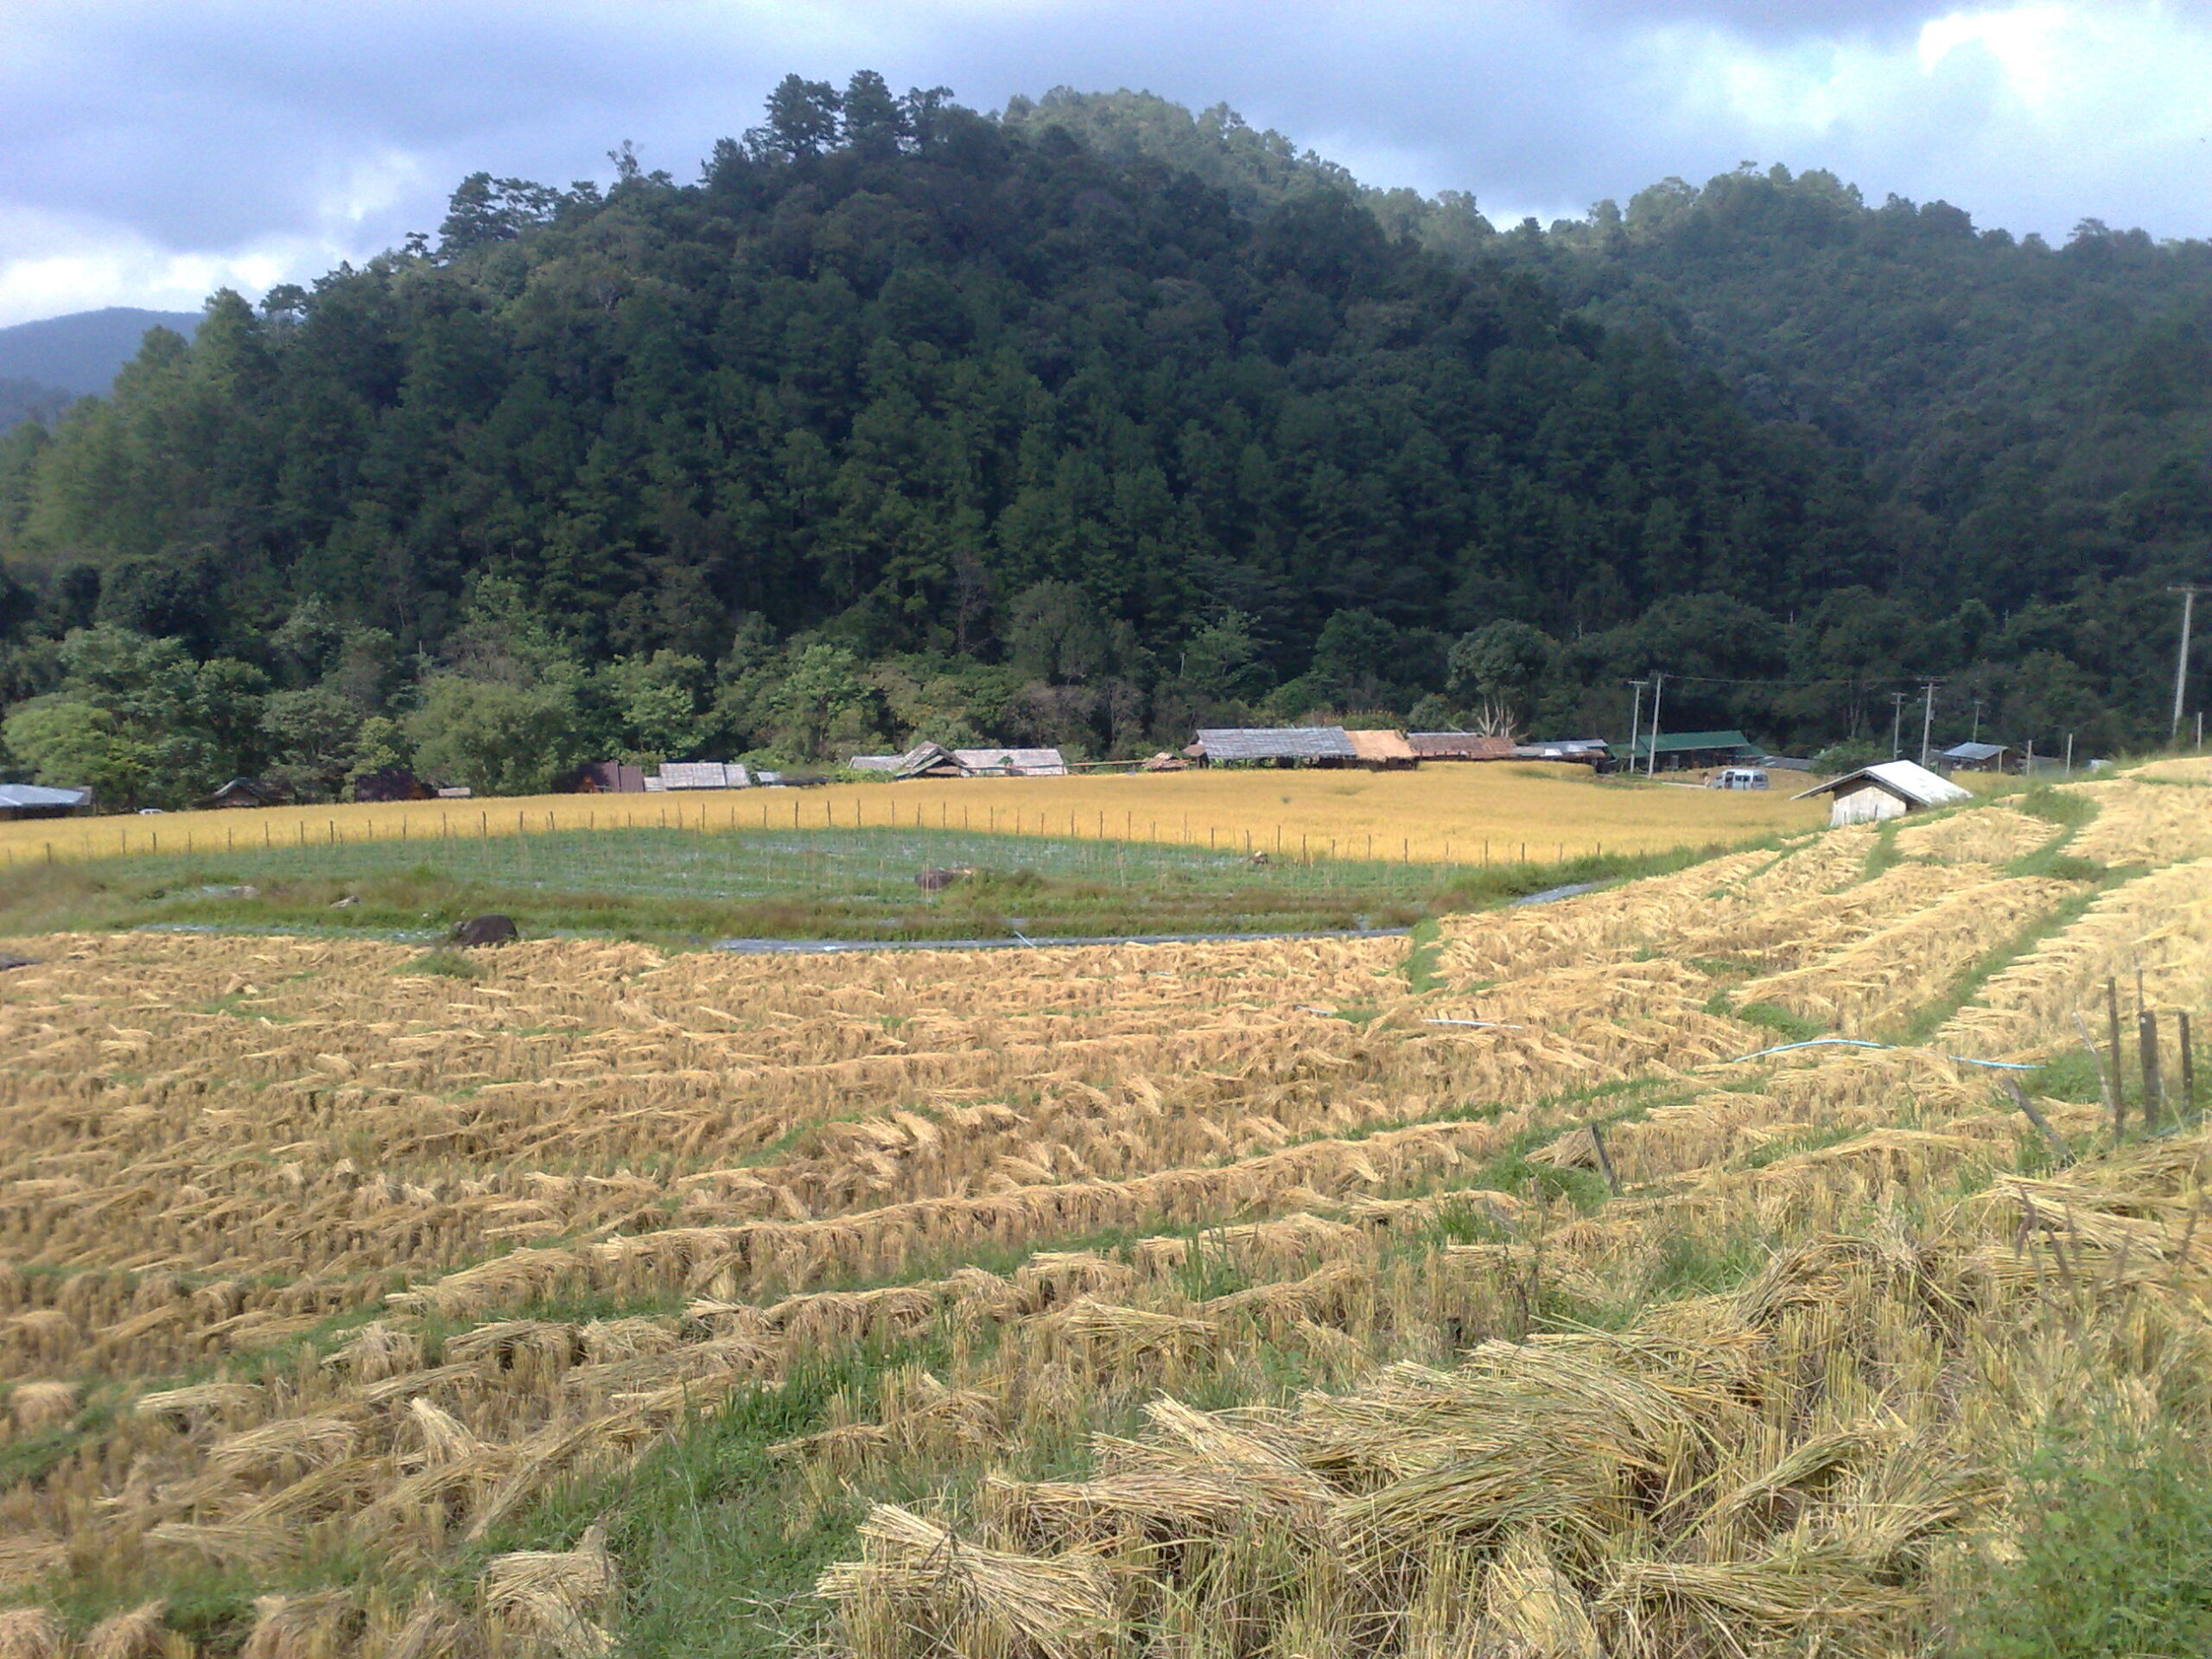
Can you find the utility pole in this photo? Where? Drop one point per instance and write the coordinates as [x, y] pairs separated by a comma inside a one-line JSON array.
[[1977, 720], [1658, 687], [1897, 723], [2180, 663], [1927, 716], [1636, 721]]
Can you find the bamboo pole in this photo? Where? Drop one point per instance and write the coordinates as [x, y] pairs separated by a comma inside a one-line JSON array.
[[2188, 1065], [1605, 1163], [2104, 1078], [2119, 1067], [2034, 1115]]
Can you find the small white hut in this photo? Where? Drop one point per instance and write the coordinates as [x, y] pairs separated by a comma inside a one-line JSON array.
[[1889, 790]]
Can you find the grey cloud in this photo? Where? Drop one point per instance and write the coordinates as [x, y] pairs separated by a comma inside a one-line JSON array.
[[207, 128]]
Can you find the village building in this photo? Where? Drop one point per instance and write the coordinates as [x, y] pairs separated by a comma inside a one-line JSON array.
[[1592, 752], [702, 774], [41, 801], [1973, 757], [247, 792], [610, 778], [1889, 790], [1460, 745], [1274, 745], [1383, 751], [1011, 763], [927, 760], [392, 784], [1690, 750]]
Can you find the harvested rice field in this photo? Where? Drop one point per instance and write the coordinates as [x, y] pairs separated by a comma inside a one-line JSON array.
[[1469, 814], [1545, 1286]]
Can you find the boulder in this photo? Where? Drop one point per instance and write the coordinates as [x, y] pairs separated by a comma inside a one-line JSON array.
[[494, 928]]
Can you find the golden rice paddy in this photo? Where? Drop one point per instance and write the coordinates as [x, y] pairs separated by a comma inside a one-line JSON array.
[[1464, 814], [1248, 1298]]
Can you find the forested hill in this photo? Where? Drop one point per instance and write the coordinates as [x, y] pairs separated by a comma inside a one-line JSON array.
[[2031, 418], [905, 421], [2035, 423]]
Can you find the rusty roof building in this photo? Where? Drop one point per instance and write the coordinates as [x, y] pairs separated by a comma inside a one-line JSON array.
[[1460, 745]]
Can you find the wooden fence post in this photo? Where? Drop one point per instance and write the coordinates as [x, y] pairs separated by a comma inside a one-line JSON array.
[[2146, 1041]]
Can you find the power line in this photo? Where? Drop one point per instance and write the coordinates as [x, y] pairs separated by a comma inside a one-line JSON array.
[[1871, 682]]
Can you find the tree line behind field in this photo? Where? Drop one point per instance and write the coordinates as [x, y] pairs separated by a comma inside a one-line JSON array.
[[1088, 423]]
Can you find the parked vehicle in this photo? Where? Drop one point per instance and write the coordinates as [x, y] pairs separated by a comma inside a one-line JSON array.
[[1738, 778]]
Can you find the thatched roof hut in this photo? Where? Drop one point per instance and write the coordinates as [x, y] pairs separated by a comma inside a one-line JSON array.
[[1382, 751]]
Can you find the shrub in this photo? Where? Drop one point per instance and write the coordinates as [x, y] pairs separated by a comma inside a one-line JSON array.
[[2116, 1558]]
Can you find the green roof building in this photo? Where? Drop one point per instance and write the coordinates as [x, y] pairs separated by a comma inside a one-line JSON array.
[[1690, 751]]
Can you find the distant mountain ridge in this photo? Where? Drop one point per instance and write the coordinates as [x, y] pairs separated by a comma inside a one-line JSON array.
[[78, 355]]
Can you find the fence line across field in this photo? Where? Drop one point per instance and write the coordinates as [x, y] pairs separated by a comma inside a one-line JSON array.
[[440, 823]]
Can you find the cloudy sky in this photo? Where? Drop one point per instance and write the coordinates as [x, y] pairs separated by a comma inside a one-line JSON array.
[[151, 150]]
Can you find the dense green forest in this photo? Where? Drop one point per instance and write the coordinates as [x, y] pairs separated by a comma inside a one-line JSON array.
[[1085, 424]]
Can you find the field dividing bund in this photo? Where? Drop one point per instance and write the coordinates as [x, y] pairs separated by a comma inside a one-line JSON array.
[[1508, 1290], [1469, 815]]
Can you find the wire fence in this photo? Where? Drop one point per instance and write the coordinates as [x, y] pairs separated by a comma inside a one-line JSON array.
[[448, 828]]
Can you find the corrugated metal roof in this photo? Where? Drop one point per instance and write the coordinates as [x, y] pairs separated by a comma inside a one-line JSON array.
[[926, 758], [1381, 745], [1460, 745], [1561, 748], [1012, 763], [1276, 743], [1906, 780], [1975, 751], [874, 762], [612, 777], [34, 795], [701, 774], [1688, 743]]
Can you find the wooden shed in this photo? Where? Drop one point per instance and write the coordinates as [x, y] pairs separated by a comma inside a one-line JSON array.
[[1887, 791], [246, 791], [392, 784], [1974, 757], [610, 778]]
